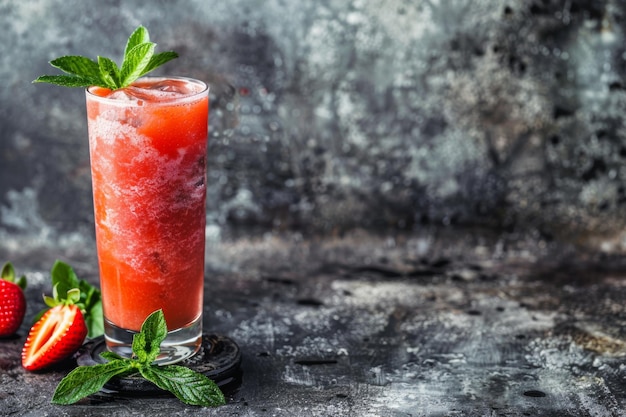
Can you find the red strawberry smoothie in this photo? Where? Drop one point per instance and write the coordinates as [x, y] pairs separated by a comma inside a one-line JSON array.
[[148, 147]]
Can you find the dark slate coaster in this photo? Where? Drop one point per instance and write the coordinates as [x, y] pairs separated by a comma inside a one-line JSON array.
[[219, 358]]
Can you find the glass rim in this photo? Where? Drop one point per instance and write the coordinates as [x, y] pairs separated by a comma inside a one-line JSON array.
[[165, 102]]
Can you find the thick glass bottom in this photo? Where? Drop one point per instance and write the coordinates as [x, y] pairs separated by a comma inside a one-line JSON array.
[[179, 344]]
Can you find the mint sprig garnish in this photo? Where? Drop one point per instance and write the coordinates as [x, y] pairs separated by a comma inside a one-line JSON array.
[[189, 386], [139, 59]]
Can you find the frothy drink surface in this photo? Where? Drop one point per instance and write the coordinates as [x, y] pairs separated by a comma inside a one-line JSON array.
[[151, 90]]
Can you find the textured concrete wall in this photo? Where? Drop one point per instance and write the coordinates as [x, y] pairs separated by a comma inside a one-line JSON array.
[[329, 115]]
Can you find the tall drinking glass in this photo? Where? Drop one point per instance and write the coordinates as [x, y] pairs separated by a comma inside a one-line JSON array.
[[148, 147]]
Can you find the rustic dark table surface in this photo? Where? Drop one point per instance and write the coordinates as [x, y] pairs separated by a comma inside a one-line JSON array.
[[436, 323]]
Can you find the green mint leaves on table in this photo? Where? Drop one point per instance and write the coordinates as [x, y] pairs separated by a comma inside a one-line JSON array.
[[139, 59], [190, 387]]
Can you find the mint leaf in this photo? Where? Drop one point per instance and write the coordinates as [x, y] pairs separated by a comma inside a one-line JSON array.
[[159, 59], [190, 387], [109, 72], [139, 59], [135, 62], [77, 65], [110, 356], [87, 380], [146, 343], [139, 36], [65, 80], [91, 303], [94, 319], [63, 279], [140, 350]]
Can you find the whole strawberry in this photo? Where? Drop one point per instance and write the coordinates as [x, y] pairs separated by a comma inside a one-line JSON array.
[[12, 301]]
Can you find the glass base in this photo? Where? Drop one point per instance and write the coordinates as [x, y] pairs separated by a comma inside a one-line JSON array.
[[179, 344]]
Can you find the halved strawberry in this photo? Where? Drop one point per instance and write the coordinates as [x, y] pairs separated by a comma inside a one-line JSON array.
[[75, 310], [58, 334], [12, 301]]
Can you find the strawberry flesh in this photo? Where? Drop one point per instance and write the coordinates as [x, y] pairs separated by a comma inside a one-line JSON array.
[[12, 307], [58, 334]]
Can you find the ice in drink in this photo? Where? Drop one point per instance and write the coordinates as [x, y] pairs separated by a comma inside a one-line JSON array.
[[148, 161]]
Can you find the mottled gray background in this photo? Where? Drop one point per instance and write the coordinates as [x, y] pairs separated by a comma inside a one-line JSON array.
[[333, 115], [424, 192]]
